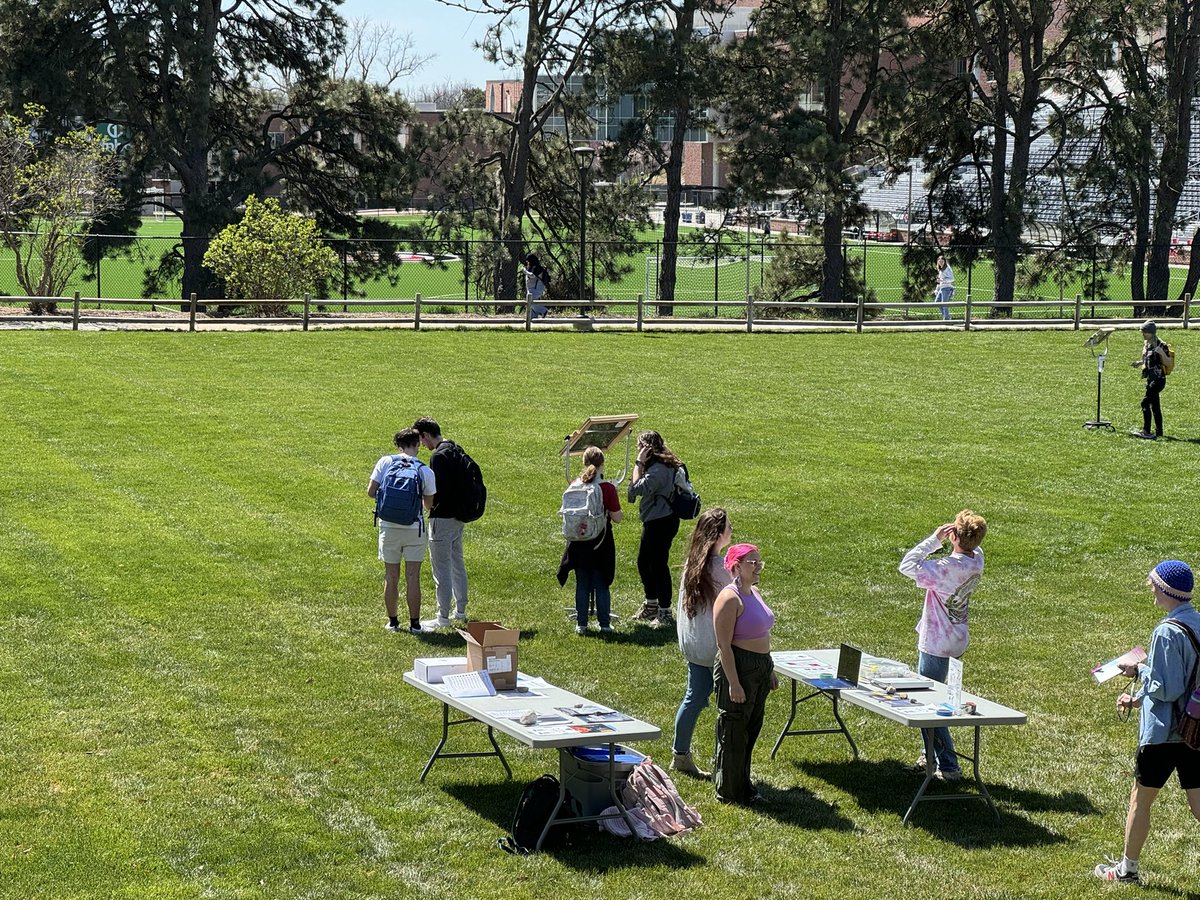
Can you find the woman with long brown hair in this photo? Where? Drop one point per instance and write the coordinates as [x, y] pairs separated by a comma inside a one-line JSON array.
[[653, 481], [703, 578]]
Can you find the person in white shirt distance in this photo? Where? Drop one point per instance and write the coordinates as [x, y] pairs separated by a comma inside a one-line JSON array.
[[399, 542], [944, 292]]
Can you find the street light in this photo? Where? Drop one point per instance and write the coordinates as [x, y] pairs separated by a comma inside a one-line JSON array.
[[584, 155]]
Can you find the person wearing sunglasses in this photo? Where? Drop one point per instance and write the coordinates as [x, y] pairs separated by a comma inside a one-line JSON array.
[[743, 674], [703, 578]]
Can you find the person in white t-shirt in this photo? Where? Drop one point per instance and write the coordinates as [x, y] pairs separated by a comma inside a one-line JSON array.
[[942, 633], [944, 292], [403, 542]]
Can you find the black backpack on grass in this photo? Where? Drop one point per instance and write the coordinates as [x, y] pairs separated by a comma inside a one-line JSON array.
[[537, 804]]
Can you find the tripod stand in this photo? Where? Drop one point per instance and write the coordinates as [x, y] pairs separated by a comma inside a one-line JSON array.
[[1099, 339]]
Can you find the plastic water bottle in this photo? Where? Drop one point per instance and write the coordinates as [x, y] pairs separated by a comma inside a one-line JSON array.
[[1193, 706]]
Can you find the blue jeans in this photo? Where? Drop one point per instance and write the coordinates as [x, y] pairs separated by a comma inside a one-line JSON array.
[[937, 668], [944, 296], [695, 699], [588, 584]]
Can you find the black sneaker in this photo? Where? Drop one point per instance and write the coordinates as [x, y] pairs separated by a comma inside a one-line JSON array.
[[647, 613]]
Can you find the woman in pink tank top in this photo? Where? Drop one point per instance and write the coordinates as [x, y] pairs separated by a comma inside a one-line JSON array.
[[744, 673]]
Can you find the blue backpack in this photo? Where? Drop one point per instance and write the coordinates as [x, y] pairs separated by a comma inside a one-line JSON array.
[[401, 492]]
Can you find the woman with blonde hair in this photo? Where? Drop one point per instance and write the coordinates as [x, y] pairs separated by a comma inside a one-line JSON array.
[[653, 480], [703, 578], [594, 561]]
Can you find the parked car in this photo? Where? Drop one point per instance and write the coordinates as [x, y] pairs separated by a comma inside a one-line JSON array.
[[888, 234]]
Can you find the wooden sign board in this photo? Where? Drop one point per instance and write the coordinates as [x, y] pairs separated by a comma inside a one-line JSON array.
[[598, 431]]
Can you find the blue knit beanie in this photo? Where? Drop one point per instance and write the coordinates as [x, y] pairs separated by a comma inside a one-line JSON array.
[[1173, 578]]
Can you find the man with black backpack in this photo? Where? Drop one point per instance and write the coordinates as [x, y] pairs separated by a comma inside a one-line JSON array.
[[403, 488], [461, 497]]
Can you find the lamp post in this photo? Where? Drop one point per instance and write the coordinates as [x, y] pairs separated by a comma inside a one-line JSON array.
[[584, 155]]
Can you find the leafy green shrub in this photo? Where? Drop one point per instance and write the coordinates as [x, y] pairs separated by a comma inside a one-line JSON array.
[[270, 255]]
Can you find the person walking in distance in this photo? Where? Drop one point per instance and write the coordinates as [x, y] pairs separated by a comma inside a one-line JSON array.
[[459, 499], [410, 486], [944, 292], [653, 481], [1162, 689], [537, 279], [1152, 362]]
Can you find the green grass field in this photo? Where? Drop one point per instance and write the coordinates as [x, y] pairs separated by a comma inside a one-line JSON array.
[[198, 698]]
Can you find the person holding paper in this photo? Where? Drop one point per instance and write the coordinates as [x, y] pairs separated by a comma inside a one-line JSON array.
[[744, 673], [703, 578], [1162, 685], [942, 632]]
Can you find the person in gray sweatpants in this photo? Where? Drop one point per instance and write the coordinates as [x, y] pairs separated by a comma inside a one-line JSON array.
[[445, 531]]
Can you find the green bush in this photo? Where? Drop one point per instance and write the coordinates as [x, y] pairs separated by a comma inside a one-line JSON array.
[[270, 255]]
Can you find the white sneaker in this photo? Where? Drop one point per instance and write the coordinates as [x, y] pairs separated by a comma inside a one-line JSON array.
[[581, 629], [459, 618], [390, 627], [432, 624]]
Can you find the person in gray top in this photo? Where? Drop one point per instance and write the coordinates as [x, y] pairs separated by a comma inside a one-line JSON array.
[[704, 575], [651, 487]]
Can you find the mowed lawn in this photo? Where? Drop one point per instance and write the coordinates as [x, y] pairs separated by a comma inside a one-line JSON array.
[[198, 698]]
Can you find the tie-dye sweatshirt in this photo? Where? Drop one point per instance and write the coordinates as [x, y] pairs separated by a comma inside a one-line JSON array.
[[948, 584]]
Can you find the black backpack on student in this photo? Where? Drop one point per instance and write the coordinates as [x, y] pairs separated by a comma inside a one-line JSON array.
[[537, 804], [470, 498]]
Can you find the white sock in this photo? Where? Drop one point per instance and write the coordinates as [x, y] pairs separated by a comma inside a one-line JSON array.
[[1128, 866]]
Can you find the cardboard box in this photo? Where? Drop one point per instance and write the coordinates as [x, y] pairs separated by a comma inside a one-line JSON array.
[[433, 669], [492, 648]]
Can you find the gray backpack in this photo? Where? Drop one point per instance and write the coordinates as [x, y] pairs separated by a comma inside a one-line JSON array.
[[582, 511]]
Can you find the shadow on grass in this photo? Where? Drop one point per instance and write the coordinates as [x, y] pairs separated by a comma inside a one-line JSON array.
[[888, 786], [800, 808], [448, 638], [589, 849], [640, 636]]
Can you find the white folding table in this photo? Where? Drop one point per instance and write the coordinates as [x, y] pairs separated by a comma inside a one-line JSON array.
[[922, 715], [541, 698]]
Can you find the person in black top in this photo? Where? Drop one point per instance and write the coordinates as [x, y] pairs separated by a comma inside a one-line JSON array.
[[1152, 363], [445, 528]]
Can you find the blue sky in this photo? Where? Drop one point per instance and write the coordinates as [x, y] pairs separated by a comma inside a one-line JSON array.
[[439, 29]]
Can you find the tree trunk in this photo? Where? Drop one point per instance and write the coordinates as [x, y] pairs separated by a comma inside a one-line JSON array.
[[681, 118], [834, 264], [1182, 39]]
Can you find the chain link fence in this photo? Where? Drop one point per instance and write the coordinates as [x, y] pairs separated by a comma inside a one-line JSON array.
[[717, 273]]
